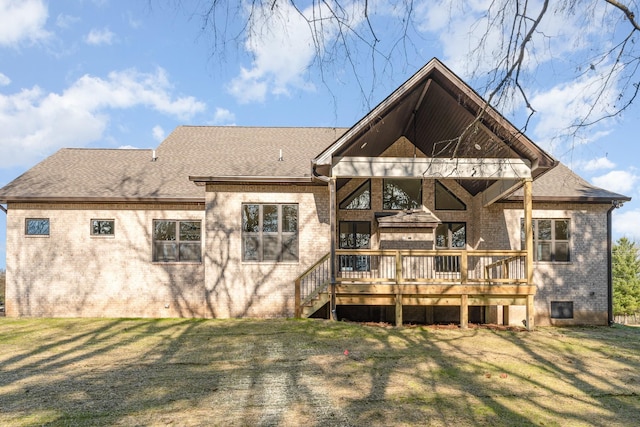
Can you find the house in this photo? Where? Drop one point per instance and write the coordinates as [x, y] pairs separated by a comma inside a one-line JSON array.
[[426, 210]]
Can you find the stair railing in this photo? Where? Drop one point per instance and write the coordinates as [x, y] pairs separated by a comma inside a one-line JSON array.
[[312, 282]]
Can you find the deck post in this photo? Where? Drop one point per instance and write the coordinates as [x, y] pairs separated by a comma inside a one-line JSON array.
[[530, 313], [464, 311], [398, 289], [528, 230], [332, 256], [297, 293], [463, 268]]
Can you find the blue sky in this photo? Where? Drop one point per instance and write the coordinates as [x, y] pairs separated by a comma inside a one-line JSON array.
[[115, 74]]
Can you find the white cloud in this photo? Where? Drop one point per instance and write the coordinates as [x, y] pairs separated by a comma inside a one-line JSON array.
[[22, 20], [627, 223], [98, 37], [66, 21], [127, 147], [224, 117], [158, 133], [33, 123], [563, 106], [617, 181], [4, 80], [597, 164], [283, 48]]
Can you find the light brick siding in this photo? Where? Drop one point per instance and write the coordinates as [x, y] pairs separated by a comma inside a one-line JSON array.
[[259, 289], [73, 274], [583, 280]]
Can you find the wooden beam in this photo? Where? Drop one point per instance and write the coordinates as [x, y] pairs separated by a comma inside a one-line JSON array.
[[428, 289], [528, 222], [439, 289], [530, 313], [409, 167], [464, 311], [486, 300], [333, 224], [498, 190], [364, 300], [398, 289]]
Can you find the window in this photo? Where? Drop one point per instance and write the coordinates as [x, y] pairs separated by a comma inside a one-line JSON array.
[[103, 227], [562, 309], [355, 235], [37, 227], [446, 200], [176, 241], [400, 194], [550, 239], [450, 235], [359, 199], [269, 232]]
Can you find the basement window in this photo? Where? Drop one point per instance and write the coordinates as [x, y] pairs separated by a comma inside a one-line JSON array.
[[562, 309]]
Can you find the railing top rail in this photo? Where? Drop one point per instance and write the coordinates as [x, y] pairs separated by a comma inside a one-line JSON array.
[[313, 267], [432, 252]]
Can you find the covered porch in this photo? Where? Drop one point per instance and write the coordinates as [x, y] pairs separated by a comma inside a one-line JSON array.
[[433, 129]]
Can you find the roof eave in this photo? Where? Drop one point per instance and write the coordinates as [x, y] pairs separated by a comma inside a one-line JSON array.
[[39, 199], [574, 199], [286, 180]]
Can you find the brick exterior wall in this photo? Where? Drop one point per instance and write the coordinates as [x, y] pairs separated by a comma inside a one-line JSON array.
[[583, 280], [73, 274], [236, 288]]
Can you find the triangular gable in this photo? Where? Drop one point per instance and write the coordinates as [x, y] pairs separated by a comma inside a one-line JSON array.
[[431, 110]]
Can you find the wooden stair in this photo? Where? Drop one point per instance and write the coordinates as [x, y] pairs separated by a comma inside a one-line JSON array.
[[315, 304]]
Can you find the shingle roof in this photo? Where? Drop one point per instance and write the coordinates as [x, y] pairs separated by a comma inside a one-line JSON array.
[[562, 184], [109, 174]]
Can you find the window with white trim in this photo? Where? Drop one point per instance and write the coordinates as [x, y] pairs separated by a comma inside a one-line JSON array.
[[551, 239], [177, 241], [269, 232]]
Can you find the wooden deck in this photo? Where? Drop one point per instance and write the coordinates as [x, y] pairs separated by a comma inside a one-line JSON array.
[[411, 277]]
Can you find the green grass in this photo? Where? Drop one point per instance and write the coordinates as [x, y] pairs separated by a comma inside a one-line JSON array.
[[304, 372]]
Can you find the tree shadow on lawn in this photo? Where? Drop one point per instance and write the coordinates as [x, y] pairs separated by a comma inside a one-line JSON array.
[[284, 372]]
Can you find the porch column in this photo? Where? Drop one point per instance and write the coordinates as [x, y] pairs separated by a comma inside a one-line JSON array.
[[528, 232], [332, 255]]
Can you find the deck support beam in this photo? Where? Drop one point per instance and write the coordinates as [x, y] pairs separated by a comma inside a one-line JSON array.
[[464, 311], [528, 230], [398, 289], [333, 224]]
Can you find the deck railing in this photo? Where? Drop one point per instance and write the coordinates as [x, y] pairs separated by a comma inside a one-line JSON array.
[[312, 282], [431, 266], [407, 267]]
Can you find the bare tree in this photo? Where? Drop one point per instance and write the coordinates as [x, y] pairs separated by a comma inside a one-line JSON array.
[[507, 43]]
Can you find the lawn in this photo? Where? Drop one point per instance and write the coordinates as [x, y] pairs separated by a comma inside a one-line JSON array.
[[314, 373]]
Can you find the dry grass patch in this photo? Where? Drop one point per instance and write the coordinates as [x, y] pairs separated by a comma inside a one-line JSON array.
[[290, 372]]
